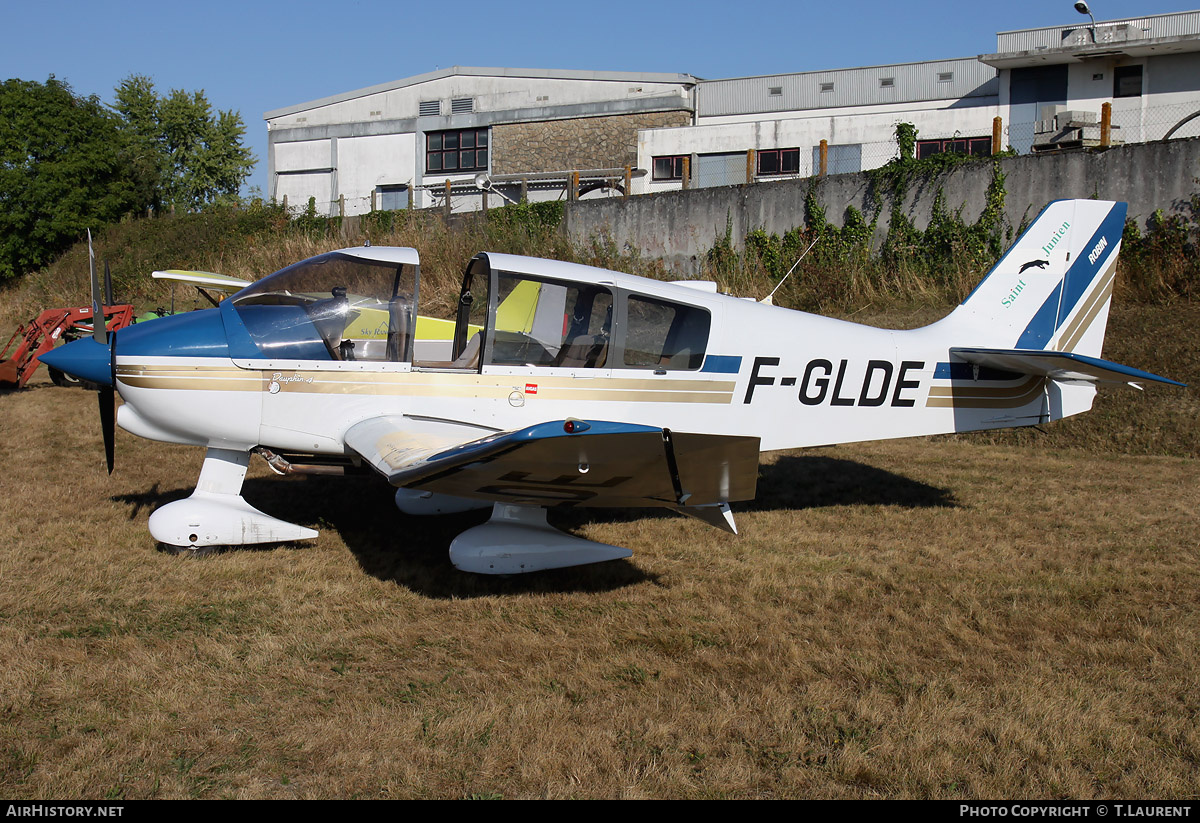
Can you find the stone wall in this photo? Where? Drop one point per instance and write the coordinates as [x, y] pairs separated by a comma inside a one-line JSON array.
[[606, 142]]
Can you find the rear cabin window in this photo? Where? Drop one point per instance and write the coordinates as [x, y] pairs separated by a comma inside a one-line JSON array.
[[664, 335]]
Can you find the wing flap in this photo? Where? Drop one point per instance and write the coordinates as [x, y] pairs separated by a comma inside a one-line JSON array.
[[1059, 365], [582, 463]]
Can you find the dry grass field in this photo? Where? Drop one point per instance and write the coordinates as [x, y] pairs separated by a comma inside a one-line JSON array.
[[946, 618]]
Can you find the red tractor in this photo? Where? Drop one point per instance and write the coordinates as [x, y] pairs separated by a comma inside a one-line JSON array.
[[44, 332]]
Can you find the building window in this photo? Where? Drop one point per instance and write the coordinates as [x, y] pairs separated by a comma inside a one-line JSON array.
[[945, 76], [669, 168], [826, 87], [393, 198], [778, 161], [1127, 81], [887, 82], [840, 159], [775, 91], [974, 146], [455, 151]]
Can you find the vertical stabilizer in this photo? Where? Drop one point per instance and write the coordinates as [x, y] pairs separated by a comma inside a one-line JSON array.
[[1052, 290]]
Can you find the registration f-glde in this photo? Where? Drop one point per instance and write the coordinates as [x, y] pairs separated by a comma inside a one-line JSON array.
[[565, 385]]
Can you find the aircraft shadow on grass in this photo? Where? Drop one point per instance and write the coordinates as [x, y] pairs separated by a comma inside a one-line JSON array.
[[411, 551]]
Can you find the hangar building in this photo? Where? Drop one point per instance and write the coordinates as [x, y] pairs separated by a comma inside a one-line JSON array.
[[552, 134]]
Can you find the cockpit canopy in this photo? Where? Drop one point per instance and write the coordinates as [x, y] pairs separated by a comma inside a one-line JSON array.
[[360, 305], [344, 305]]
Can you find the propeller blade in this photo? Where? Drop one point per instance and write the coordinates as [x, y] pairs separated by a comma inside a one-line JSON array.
[[108, 294], [108, 405], [99, 330], [108, 419]]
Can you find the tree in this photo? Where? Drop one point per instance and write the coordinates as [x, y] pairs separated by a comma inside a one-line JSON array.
[[182, 153], [69, 163], [138, 107], [60, 172]]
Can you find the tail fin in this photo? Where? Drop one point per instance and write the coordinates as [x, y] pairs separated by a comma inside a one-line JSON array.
[[1042, 310], [1052, 290]]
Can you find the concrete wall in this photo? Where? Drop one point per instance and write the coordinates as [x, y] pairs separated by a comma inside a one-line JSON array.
[[680, 226]]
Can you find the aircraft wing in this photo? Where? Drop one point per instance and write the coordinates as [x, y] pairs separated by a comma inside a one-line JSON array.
[[204, 279], [566, 462], [1059, 365]]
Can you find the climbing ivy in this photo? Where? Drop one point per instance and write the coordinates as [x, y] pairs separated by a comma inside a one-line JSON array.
[[939, 254]]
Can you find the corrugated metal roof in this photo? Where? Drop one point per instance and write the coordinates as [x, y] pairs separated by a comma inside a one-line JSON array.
[[472, 71], [958, 78]]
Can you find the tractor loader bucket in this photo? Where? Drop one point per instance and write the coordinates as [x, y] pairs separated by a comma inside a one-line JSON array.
[[9, 376]]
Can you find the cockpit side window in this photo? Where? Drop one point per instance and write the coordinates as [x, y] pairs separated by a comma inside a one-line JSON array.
[[333, 307], [548, 323], [660, 334]]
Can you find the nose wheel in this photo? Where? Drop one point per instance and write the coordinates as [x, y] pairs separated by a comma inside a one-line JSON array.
[[216, 516], [191, 551]]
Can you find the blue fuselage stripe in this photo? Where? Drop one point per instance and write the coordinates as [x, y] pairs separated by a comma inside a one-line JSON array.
[[722, 364]]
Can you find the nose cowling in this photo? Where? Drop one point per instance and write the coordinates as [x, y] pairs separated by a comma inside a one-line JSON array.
[[193, 334], [84, 358]]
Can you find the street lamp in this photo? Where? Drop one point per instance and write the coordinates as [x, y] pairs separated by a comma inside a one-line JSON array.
[[1081, 6], [483, 182]]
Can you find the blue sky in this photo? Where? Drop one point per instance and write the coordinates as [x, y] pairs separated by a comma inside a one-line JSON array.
[[256, 56]]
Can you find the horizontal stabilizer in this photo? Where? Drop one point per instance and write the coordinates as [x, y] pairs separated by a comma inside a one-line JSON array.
[[204, 279], [1059, 365]]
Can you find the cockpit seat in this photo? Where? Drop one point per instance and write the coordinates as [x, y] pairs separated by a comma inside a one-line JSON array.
[[398, 338], [329, 317], [469, 359], [587, 351]]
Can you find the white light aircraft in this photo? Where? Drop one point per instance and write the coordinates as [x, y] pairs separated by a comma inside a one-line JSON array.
[[564, 385]]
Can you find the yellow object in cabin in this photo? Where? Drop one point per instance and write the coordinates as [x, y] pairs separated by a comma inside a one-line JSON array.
[[514, 314]]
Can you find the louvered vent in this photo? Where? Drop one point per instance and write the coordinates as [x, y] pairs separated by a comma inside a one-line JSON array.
[[430, 108], [462, 105]]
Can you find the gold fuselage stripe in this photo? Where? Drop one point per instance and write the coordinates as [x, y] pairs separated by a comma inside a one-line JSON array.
[[425, 384], [971, 397]]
